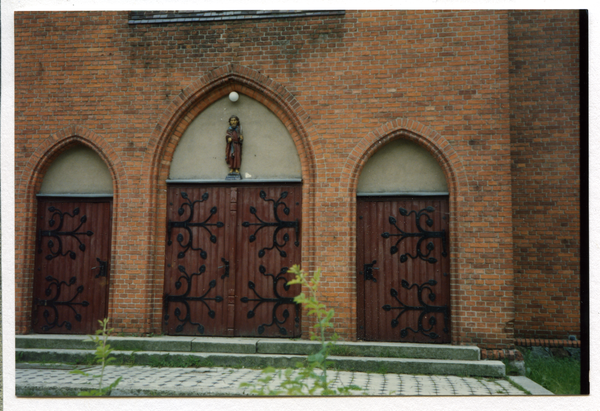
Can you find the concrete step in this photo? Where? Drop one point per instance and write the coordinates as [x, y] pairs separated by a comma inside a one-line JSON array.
[[257, 360], [169, 351], [253, 346]]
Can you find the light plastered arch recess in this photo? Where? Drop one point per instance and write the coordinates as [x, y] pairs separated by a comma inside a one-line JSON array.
[[79, 170], [52, 147], [436, 145], [401, 167], [215, 85], [268, 151]]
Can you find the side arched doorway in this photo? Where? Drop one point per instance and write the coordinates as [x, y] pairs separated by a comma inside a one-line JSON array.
[[403, 261], [73, 244], [230, 241]]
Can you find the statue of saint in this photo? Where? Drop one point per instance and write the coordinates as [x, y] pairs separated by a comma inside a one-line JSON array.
[[233, 152]]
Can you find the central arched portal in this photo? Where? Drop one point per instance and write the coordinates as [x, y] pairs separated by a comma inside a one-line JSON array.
[[231, 238]]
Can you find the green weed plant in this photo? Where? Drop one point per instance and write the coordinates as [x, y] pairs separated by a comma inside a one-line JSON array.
[[102, 357], [562, 376], [310, 378]]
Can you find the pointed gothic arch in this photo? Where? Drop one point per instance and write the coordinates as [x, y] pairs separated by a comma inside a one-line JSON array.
[[177, 118], [457, 181], [32, 175]]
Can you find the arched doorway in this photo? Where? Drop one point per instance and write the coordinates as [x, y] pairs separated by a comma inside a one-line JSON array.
[[403, 261], [73, 244], [230, 241]]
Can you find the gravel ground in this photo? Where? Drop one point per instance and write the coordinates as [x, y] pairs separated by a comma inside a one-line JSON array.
[[40, 379]]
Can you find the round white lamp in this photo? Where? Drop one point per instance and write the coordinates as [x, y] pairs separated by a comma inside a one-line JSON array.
[[233, 96]]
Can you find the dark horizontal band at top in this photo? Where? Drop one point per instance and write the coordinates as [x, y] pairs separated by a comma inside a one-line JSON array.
[[255, 180], [88, 195], [405, 193], [154, 17]]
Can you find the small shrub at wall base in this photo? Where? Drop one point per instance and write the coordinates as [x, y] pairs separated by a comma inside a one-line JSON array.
[[311, 377], [102, 357]]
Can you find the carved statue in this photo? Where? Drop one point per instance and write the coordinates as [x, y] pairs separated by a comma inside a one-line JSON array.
[[233, 152]]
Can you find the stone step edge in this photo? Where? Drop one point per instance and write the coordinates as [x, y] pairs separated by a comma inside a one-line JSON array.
[[359, 364], [256, 346]]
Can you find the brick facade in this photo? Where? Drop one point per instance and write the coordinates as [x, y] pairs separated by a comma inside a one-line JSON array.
[[343, 85], [544, 124]]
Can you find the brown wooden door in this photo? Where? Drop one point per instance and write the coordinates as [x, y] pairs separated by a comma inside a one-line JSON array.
[[268, 233], [198, 255], [228, 250], [72, 266], [403, 269]]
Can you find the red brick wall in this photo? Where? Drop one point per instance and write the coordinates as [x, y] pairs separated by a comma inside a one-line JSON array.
[[342, 85], [544, 127]]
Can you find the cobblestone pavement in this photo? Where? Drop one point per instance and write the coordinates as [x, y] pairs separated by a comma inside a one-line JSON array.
[[215, 381]]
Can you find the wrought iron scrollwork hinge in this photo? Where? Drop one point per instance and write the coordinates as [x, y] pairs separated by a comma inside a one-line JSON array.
[[278, 300], [187, 225], [368, 271], [186, 299], [279, 225], [53, 303], [57, 235], [422, 234], [423, 307]]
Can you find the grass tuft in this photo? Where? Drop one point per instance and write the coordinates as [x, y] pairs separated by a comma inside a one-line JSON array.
[[562, 376]]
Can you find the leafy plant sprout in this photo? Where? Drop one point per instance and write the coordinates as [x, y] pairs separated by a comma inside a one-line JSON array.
[[102, 356]]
